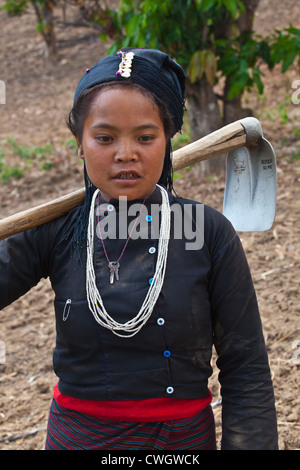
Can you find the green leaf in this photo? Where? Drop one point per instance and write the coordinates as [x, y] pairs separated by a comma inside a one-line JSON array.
[[231, 7], [206, 4], [132, 25], [103, 37], [289, 60], [239, 82], [257, 80], [235, 7], [15, 7], [210, 66], [195, 70]]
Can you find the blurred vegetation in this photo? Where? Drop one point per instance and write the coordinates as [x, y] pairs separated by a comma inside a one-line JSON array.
[[17, 159], [213, 40]]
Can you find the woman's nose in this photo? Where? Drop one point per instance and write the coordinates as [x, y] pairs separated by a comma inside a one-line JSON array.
[[126, 152]]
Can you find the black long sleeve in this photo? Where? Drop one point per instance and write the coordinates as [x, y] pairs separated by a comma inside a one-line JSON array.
[[248, 413], [23, 263]]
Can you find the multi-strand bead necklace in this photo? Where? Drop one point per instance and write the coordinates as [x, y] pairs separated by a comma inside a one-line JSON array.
[[131, 327]]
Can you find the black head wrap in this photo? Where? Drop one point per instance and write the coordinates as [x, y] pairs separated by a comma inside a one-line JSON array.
[[152, 69], [156, 72]]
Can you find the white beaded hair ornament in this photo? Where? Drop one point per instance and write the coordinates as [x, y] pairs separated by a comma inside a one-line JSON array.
[[125, 65]]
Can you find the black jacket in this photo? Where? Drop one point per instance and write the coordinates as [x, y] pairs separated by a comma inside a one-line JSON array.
[[207, 299]]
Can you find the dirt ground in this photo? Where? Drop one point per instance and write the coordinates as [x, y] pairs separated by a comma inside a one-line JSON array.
[[38, 96]]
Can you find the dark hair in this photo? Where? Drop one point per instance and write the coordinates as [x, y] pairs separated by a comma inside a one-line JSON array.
[[81, 108]]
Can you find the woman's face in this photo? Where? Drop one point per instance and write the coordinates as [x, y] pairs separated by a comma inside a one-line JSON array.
[[123, 143]]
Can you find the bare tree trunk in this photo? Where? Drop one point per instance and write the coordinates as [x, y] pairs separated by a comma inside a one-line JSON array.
[[245, 22], [204, 117], [233, 109], [44, 13], [48, 29]]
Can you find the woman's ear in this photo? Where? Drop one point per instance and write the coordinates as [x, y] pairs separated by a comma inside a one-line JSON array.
[[80, 150]]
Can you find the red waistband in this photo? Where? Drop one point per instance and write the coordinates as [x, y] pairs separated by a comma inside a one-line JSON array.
[[151, 409]]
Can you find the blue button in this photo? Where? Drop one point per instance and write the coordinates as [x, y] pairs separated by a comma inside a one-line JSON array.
[[160, 321], [151, 280], [167, 353], [148, 218], [152, 250], [170, 390]]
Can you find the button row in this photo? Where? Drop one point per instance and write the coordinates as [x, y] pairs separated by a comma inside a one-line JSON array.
[[111, 208]]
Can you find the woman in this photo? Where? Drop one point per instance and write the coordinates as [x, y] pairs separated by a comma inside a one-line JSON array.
[[138, 308]]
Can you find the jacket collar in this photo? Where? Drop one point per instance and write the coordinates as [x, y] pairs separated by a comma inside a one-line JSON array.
[[154, 198]]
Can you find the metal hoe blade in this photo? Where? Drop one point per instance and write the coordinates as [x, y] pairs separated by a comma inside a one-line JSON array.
[[250, 189]]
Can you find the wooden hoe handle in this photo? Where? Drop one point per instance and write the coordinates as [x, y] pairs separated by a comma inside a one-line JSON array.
[[230, 137]]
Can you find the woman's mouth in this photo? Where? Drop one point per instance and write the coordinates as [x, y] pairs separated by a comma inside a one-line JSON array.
[[127, 176]]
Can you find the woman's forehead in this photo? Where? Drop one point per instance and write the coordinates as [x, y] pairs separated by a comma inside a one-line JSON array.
[[114, 102]]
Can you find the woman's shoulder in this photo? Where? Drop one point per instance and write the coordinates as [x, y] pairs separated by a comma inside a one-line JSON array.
[[218, 230], [60, 227], [213, 217]]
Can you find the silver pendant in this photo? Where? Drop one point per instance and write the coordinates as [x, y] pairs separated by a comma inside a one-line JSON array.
[[114, 270]]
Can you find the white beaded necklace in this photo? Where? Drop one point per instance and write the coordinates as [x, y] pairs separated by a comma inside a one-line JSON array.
[[131, 327]]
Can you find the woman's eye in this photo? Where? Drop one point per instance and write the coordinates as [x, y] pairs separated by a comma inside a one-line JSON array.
[[104, 138], [146, 138]]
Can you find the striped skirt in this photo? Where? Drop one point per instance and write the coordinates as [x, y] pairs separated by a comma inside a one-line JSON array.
[[70, 430]]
